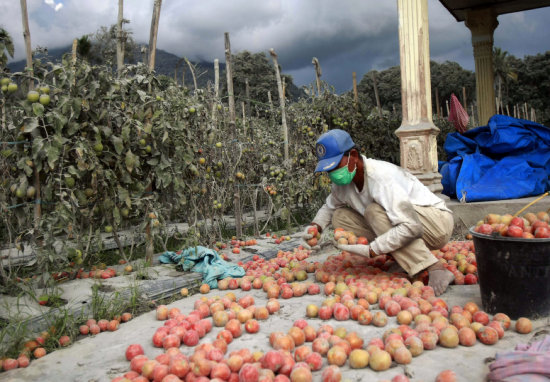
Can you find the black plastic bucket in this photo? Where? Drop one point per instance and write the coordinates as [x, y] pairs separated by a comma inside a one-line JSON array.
[[514, 275]]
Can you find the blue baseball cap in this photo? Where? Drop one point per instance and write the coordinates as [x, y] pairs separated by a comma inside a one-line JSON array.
[[330, 149]]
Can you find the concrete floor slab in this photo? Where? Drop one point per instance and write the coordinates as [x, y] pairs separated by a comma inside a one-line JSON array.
[[100, 358]]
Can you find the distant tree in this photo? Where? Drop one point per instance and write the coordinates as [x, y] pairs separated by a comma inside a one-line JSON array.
[[532, 86], [447, 78], [259, 71], [502, 70], [6, 48], [104, 41], [388, 82], [83, 46]]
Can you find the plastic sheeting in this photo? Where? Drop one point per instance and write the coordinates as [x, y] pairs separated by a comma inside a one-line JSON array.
[[203, 260], [506, 159]]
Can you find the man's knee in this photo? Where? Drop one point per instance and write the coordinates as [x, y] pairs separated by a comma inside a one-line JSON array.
[[340, 217], [373, 210]]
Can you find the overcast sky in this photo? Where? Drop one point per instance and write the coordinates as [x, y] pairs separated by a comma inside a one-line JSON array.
[[345, 35]]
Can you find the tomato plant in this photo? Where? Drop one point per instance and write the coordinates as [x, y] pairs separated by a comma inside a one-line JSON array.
[[137, 152]]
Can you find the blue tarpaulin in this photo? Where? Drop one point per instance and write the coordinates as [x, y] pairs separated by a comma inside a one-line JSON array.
[[203, 260], [506, 159]]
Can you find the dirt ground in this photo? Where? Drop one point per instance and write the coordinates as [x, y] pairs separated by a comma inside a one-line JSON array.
[[101, 358]]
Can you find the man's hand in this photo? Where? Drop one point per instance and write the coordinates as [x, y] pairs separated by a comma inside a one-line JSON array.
[[358, 249], [310, 238]]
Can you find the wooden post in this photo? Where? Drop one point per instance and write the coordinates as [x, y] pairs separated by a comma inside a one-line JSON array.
[[243, 107], [233, 127], [120, 39], [216, 78], [153, 34], [464, 104], [192, 73], [73, 62], [144, 55], [355, 94], [283, 119], [473, 120], [437, 107], [447, 106], [247, 92], [216, 89], [376, 96], [270, 100], [27, 37], [29, 70], [149, 246], [282, 105], [318, 74], [507, 110], [254, 207]]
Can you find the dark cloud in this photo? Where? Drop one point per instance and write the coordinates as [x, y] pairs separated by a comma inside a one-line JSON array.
[[346, 36]]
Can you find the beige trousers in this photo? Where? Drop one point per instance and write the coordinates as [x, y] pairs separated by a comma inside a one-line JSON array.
[[413, 257]]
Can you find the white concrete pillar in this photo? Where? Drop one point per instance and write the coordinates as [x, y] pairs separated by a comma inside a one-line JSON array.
[[417, 133], [482, 23]]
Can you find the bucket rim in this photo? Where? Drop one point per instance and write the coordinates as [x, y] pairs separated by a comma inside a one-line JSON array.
[[497, 237]]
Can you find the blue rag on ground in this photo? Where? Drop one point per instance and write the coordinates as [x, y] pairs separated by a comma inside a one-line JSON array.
[[506, 159], [203, 260]]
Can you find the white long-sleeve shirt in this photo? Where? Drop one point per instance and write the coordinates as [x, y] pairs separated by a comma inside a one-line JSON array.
[[394, 189]]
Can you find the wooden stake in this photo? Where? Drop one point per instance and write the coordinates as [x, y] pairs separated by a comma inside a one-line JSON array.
[[233, 128], [36, 135], [217, 78], [243, 107], [254, 207], [153, 34], [247, 92], [27, 37], [192, 73], [270, 100], [283, 119], [282, 105], [376, 96], [318, 74], [216, 89], [120, 39], [355, 94], [73, 62], [464, 104], [437, 103]]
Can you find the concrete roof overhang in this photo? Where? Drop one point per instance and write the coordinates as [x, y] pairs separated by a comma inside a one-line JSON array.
[[459, 8]]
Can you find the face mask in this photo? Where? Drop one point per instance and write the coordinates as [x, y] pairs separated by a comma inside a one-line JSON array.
[[342, 176]]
